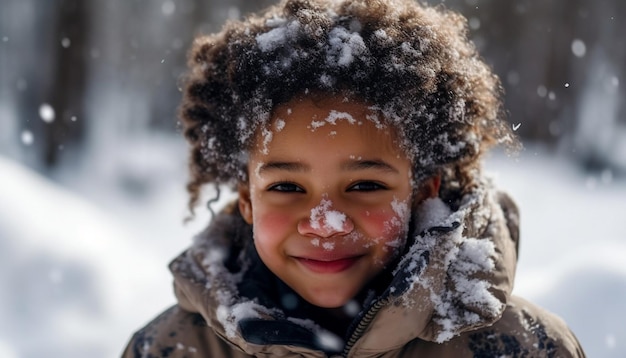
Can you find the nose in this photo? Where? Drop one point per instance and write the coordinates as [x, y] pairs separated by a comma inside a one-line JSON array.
[[324, 222]]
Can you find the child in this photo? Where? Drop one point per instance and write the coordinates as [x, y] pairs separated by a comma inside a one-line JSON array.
[[353, 131]]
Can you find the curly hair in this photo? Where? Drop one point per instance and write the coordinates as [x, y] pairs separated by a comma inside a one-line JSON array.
[[413, 62]]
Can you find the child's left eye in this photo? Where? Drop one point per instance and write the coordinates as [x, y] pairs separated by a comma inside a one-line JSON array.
[[367, 186]]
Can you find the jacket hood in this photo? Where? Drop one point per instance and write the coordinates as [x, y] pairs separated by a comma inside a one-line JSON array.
[[456, 275]]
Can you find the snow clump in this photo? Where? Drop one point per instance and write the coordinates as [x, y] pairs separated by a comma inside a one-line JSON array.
[[330, 219]]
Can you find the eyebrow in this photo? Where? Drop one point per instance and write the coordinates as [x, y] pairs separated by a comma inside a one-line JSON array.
[[376, 164], [287, 166], [349, 165]]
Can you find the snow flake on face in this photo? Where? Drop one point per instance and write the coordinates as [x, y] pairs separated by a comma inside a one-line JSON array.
[[280, 125], [401, 208], [334, 219], [268, 135], [316, 124], [356, 236], [318, 212], [257, 170], [322, 216], [373, 117], [395, 244], [402, 211], [332, 118]]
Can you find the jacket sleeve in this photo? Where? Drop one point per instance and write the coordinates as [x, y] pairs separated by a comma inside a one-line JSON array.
[[525, 330], [177, 333]]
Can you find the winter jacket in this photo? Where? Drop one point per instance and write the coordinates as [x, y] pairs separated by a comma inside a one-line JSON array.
[[449, 295]]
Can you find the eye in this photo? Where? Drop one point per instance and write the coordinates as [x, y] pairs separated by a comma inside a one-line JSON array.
[[286, 188], [367, 186]]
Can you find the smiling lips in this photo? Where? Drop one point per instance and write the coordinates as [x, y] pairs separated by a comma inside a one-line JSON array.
[[331, 265]]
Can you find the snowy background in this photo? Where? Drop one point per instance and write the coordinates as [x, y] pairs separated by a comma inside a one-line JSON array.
[[83, 260], [92, 169]]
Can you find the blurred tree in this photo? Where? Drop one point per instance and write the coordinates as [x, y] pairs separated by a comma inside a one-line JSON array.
[[560, 63], [523, 41], [67, 90], [561, 68], [598, 137], [189, 19]]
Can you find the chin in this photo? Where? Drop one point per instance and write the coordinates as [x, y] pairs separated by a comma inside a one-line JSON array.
[[332, 300]]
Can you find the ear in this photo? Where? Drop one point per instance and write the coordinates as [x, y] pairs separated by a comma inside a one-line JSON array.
[[428, 188], [245, 204]]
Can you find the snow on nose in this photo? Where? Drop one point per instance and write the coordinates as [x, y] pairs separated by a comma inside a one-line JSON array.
[[324, 222]]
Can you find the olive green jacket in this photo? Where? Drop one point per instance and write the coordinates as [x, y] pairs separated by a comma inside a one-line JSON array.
[[448, 296]]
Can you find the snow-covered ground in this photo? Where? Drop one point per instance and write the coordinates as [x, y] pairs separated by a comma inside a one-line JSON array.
[[573, 245], [83, 257]]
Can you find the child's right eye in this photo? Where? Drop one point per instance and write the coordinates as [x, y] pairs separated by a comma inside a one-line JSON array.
[[286, 188]]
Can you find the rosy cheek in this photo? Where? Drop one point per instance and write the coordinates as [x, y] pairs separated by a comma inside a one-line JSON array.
[[268, 226], [381, 224]]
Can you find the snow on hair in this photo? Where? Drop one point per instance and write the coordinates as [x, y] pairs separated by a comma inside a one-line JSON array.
[[412, 62]]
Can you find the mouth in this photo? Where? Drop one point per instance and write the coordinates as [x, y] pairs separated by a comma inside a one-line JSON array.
[[328, 266]]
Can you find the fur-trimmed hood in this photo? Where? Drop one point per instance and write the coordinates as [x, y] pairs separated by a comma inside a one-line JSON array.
[[455, 276]]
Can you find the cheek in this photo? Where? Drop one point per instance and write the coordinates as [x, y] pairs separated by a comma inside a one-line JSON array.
[[271, 227], [383, 224]]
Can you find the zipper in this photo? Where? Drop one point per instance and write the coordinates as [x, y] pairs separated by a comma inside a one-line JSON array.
[[363, 324]]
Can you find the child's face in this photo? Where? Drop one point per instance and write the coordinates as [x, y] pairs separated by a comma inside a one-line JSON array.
[[329, 197]]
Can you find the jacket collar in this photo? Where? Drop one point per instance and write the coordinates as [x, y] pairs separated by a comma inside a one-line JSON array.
[[456, 275]]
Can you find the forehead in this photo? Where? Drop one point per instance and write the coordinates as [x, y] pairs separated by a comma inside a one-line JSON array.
[[332, 120], [315, 105]]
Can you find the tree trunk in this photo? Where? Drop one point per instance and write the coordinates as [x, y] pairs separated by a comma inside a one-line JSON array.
[[67, 89]]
